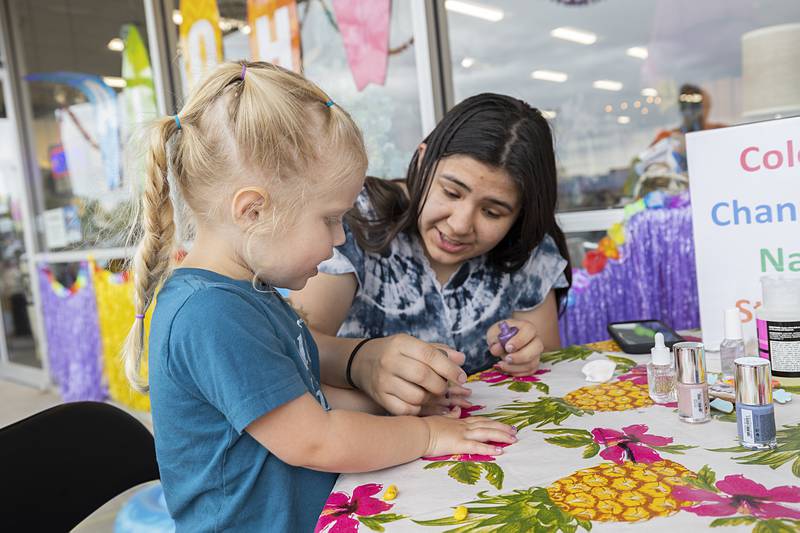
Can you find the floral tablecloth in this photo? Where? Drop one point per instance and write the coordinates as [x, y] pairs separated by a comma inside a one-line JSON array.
[[589, 457]]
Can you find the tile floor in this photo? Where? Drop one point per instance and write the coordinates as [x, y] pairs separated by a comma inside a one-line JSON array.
[[20, 401]]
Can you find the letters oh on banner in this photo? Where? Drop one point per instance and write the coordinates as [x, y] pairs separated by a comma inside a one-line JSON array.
[[275, 32], [201, 39]]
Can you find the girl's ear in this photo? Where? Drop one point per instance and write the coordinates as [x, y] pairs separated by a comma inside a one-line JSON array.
[[421, 151], [248, 204]]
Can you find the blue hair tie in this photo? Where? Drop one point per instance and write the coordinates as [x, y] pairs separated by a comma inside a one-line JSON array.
[[177, 121], [329, 103]]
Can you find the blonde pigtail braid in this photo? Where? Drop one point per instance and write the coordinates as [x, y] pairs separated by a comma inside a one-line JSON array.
[[154, 251]]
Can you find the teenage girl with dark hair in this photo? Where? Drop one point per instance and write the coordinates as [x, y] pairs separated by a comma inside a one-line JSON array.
[[433, 264]]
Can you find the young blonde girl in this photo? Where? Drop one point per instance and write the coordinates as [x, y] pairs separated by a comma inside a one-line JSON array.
[[267, 166]]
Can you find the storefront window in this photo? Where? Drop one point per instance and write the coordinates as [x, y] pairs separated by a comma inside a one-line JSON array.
[[16, 300], [86, 71], [622, 80], [388, 113]]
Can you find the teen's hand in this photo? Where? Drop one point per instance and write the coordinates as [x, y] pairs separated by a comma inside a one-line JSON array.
[[410, 377], [520, 356], [449, 435]]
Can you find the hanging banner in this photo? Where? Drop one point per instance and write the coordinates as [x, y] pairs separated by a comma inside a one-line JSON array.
[[275, 32], [201, 39], [745, 212], [139, 95], [115, 312], [73, 340], [364, 27]]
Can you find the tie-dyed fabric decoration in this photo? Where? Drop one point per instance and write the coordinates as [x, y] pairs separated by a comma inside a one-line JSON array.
[[116, 315], [73, 340]]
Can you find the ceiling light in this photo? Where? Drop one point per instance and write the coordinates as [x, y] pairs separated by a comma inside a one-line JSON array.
[[245, 29], [474, 10], [574, 35], [622, 119], [608, 85], [467, 62], [657, 99], [116, 45], [650, 99], [623, 105], [637, 104], [649, 91], [114, 81], [609, 108], [177, 18], [639, 52], [645, 111], [549, 75]]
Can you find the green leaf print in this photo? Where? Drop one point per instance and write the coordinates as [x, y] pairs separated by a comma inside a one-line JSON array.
[[374, 522], [494, 474], [529, 510], [788, 449], [465, 472], [537, 413], [570, 353], [623, 363]]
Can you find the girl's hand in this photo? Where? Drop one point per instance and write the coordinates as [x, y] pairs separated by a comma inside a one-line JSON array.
[[449, 435], [520, 355], [404, 375]]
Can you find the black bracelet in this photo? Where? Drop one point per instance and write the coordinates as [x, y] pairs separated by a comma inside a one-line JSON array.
[[350, 361]]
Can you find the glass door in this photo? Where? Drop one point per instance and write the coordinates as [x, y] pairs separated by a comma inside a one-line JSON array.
[[21, 356]]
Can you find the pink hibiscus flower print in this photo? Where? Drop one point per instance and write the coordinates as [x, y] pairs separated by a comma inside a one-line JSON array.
[[632, 443], [467, 456], [341, 510], [740, 495], [637, 375], [498, 376], [466, 412]]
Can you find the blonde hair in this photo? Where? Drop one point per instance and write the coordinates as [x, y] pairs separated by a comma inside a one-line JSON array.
[[246, 124]]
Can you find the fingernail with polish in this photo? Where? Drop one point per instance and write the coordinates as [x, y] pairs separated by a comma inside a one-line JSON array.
[[462, 378], [514, 429], [509, 359], [499, 450], [509, 347]]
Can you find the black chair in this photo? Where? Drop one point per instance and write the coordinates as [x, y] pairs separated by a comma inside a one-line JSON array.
[[58, 466]]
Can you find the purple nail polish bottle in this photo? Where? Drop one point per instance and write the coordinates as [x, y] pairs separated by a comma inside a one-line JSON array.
[[506, 332]]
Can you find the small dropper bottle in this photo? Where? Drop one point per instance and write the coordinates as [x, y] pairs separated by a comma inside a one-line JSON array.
[[661, 373], [732, 346]]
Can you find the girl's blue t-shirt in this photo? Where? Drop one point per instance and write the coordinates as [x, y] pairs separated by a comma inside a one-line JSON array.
[[223, 354], [398, 292]]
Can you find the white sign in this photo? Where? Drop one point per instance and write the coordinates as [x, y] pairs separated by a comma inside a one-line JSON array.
[[745, 189], [55, 229]]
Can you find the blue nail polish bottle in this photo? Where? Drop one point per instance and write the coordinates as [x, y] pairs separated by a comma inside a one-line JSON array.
[[755, 412]]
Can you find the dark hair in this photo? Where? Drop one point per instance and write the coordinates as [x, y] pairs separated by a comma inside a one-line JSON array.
[[501, 132]]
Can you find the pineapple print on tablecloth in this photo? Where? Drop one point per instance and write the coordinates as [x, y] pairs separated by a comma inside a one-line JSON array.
[[627, 492], [630, 492], [613, 396]]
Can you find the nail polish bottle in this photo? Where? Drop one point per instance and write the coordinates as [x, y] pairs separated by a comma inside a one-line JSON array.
[[506, 332], [693, 405], [755, 412], [661, 373]]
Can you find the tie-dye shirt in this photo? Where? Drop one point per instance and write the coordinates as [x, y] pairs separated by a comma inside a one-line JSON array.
[[398, 293]]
